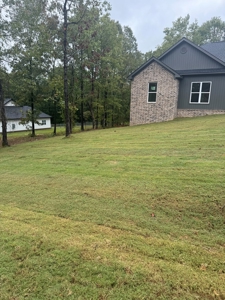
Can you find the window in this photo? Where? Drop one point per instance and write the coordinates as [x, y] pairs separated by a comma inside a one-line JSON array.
[[200, 92], [43, 122], [13, 126], [152, 91]]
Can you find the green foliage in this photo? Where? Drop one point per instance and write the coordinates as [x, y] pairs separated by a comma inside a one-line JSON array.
[[210, 31], [135, 215], [102, 54], [28, 33], [28, 117]]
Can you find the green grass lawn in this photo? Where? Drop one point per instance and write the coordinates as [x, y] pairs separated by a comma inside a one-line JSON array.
[[123, 213], [18, 137]]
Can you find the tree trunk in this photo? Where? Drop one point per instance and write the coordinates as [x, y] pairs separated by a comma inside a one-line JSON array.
[[32, 114], [105, 112], [92, 97], [112, 117], [91, 109], [82, 115], [71, 124], [96, 126], [93, 118], [32, 102], [65, 68], [81, 94], [55, 109], [3, 118]]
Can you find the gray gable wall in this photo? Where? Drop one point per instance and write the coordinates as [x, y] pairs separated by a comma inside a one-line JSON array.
[[192, 59]]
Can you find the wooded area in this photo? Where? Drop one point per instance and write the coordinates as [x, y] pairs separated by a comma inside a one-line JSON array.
[[71, 60]]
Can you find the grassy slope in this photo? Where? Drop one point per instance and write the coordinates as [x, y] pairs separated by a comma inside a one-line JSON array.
[[125, 213]]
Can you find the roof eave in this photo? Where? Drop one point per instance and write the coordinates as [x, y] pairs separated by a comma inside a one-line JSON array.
[[153, 59]]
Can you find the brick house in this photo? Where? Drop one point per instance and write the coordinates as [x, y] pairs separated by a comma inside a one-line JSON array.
[[185, 81]]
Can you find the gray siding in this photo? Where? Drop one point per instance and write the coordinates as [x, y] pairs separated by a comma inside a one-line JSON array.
[[191, 60], [217, 99]]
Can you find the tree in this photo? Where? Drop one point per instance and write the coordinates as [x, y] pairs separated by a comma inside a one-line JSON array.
[[95, 58], [78, 8], [3, 117], [3, 37], [28, 61], [212, 31], [84, 56], [112, 57], [181, 28]]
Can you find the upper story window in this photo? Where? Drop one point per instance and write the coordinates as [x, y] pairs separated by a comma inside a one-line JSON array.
[[200, 92], [152, 91]]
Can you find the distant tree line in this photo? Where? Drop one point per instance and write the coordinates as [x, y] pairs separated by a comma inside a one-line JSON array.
[[68, 58]]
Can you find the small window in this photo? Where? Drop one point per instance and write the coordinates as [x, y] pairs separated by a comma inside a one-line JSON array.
[[43, 122], [13, 126], [152, 91], [200, 92]]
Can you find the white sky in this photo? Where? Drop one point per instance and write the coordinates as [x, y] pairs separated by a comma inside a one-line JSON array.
[[148, 18]]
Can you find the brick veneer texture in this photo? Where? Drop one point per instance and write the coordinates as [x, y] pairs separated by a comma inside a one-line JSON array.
[[183, 113], [165, 107]]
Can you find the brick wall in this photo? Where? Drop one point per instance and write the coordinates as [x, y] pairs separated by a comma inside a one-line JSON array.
[[165, 108], [183, 113]]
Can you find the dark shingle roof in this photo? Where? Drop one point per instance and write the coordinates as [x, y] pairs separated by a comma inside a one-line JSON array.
[[201, 71], [18, 112], [217, 49]]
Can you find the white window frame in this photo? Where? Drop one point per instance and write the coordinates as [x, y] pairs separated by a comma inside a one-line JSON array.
[[43, 122], [200, 92], [152, 92]]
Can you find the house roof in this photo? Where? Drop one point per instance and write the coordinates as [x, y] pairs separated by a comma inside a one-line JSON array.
[[7, 100], [217, 49], [196, 47], [201, 71], [147, 63], [18, 112]]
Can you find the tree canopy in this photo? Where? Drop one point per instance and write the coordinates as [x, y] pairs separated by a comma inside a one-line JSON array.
[[209, 31]]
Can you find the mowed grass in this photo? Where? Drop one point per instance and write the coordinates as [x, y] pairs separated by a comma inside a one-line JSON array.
[[19, 137], [123, 213]]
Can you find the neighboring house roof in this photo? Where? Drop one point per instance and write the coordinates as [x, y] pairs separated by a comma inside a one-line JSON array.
[[217, 49], [147, 63], [18, 112], [7, 100]]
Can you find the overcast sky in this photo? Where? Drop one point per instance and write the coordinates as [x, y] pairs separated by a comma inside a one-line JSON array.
[[148, 18]]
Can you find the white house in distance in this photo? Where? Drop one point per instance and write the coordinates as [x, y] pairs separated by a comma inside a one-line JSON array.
[[14, 114]]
